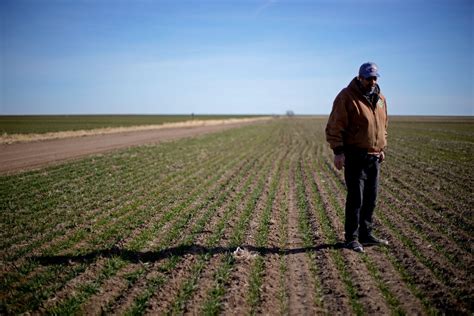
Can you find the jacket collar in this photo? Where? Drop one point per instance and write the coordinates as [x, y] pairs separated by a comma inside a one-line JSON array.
[[355, 87]]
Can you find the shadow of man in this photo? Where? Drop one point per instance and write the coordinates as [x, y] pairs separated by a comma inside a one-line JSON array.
[[155, 256]]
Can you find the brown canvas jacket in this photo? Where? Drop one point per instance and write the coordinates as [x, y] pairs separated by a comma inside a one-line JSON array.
[[355, 123]]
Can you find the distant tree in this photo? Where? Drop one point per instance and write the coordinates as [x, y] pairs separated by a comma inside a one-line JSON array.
[[290, 113]]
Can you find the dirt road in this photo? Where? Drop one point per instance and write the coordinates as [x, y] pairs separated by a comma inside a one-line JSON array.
[[18, 157]]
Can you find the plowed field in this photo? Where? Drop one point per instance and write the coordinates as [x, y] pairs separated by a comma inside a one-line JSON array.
[[248, 220]]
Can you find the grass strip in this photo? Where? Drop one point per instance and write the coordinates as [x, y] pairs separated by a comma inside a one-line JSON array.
[[58, 123]]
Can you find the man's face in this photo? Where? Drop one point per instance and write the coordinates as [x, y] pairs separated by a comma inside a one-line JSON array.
[[368, 83]]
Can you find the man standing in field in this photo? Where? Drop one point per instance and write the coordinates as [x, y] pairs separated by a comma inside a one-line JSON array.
[[357, 133]]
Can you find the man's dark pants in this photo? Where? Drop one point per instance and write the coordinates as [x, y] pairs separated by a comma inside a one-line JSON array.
[[361, 173]]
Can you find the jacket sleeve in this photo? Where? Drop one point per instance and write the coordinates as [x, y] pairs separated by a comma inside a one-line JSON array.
[[337, 124]]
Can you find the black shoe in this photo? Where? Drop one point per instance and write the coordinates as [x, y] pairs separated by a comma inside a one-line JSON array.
[[372, 240], [354, 245]]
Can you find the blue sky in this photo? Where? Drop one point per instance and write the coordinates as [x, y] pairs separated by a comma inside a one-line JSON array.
[[232, 57]]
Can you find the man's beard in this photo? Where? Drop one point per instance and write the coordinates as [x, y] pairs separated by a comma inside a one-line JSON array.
[[368, 90]]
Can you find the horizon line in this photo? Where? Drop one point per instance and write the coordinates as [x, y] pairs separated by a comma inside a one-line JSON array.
[[224, 114]]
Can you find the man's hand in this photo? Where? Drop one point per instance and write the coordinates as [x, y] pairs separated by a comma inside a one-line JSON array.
[[339, 161], [381, 156]]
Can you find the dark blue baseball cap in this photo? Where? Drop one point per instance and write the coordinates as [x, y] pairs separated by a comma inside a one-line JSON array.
[[369, 70]]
